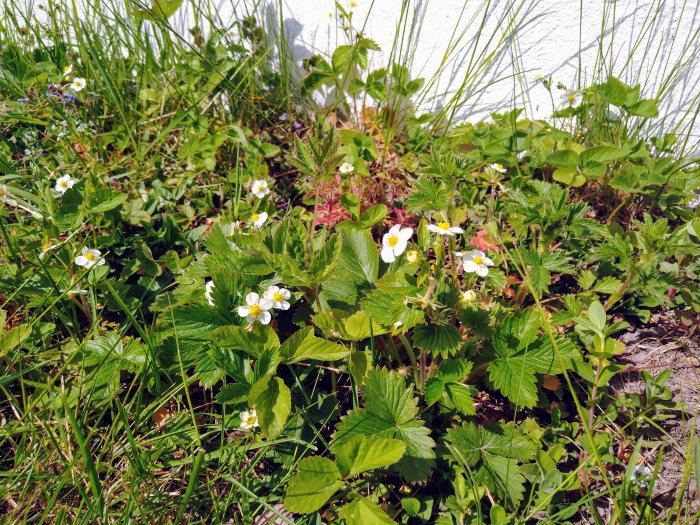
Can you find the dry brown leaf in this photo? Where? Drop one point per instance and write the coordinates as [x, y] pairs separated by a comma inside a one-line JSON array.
[[551, 383]]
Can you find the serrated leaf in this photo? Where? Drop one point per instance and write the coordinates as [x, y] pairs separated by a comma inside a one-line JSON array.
[[317, 480], [305, 345], [516, 354], [460, 396], [233, 393], [496, 449], [361, 454], [608, 285], [391, 412], [362, 511], [326, 260], [434, 388], [357, 267], [437, 339], [253, 342], [272, 400], [602, 154]]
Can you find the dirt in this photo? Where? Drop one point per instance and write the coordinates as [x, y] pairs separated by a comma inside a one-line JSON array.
[[666, 343]]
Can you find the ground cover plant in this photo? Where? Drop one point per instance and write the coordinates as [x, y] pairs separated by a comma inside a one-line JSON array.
[[224, 301]]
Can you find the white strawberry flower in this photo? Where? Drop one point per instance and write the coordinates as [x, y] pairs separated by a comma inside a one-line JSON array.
[[90, 258], [260, 188], [78, 84], [279, 297], [4, 193], [256, 309], [67, 70], [64, 183], [346, 168], [258, 219], [444, 228], [498, 167], [394, 242], [249, 419], [476, 261], [571, 99], [208, 290]]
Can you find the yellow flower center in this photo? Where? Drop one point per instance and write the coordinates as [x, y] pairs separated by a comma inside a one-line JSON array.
[[251, 420], [277, 296], [64, 184], [499, 166], [255, 310], [443, 225], [478, 260], [571, 98], [2, 192], [255, 217], [393, 240], [90, 256]]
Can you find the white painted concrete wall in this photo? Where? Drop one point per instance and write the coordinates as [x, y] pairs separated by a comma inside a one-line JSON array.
[[547, 44]]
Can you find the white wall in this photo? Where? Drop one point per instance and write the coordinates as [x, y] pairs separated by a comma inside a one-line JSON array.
[[664, 33], [548, 45]]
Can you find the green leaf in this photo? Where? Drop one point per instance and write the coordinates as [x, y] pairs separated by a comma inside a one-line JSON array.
[[317, 480], [104, 200], [326, 260], [357, 268], [373, 215], [437, 339], [390, 412], [602, 154], [496, 449], [460, 396], [254, 342], [361, 454], [13, 338], [272, 400], [516, 354], [305, 345], [608, 285], [616, 92], [161, 9], [565, 158], [569, 176], [341, 325], [596, 313], [110, 347], [647, 107], [362, 511]]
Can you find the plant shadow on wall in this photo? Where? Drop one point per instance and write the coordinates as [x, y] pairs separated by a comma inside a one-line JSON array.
[[223, 303]]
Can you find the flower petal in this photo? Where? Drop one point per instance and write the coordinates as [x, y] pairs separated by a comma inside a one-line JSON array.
[[470, 266], [243, 311], [265, 317], [252, 298], [388, 254], [406, 234], [265, 304]]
